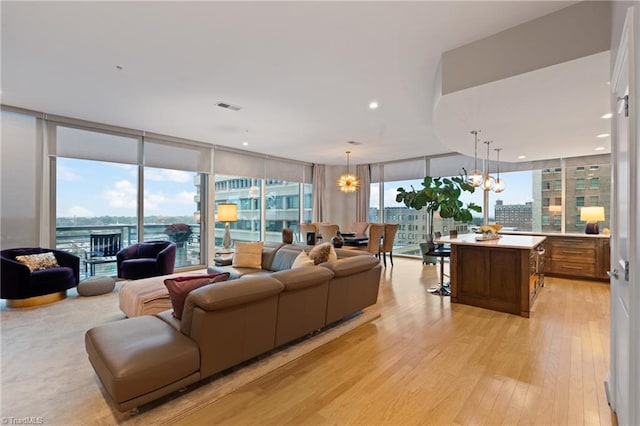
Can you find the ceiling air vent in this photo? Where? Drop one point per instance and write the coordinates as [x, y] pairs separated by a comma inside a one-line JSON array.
[[354, 143], [229, 106]]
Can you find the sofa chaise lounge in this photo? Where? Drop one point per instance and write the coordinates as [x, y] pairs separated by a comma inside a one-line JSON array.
[[143, 358]]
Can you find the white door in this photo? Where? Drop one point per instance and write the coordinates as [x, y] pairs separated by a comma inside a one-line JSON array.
[[623, 155]]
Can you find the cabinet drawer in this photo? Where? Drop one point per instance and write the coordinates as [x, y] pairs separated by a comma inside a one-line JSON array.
[[577, 254], [576, 243], [572, 268]]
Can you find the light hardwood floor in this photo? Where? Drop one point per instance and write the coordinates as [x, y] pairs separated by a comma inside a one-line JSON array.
[[428, 361]]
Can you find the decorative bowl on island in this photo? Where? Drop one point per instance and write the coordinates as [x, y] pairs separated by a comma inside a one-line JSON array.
[[489, 232]]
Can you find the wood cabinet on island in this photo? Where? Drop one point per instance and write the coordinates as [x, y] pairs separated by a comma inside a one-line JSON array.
[[503, 274]]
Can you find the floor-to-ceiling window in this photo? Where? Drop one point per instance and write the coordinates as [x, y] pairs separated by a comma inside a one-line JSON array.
[[271, 194], [88, 203], [544, 196], [172, 200], [98, 189], [96, 186], [246, 193], [282, 204], [383, 207]]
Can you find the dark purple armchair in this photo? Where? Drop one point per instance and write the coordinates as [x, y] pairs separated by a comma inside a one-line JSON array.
[[148, 259], [18, 282]]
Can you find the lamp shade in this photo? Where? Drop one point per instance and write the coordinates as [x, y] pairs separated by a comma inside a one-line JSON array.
[[227, 212], [592, 214]]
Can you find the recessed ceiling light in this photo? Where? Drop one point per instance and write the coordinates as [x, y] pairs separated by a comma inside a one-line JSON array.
[[521, 157], [245, 143], [600, 148], [607, 115], [373, 105], [603, 135]]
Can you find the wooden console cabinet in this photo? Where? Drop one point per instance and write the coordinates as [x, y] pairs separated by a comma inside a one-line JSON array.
[[578, 256]]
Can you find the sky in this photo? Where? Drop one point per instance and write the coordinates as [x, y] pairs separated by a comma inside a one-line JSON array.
[[94, 188]]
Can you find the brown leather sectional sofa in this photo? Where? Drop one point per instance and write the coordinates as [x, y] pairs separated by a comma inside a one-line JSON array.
[[144, 358]]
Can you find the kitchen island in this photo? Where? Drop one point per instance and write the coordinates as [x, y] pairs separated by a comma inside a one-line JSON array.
[[503, 274]]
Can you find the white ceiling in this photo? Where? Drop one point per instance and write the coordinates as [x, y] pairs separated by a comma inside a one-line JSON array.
[[555, 110], [304, 73]]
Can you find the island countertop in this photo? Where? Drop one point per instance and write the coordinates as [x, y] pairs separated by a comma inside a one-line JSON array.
[[525, 242]]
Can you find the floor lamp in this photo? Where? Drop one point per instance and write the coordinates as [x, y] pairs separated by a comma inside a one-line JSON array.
[[227, 213]]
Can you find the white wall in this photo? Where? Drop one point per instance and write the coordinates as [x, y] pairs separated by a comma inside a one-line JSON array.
[[574, 32], [19, 180]]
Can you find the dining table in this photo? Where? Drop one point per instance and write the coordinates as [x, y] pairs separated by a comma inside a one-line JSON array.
[[354, 239]]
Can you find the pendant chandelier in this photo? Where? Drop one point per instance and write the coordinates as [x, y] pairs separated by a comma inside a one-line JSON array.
[[475, 177], [498, 185], [487, 179], [348, 182]]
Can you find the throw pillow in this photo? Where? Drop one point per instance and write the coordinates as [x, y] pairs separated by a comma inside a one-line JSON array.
[[323, 253], [180, 287], [302, 260], [35, 262], [248, 255]]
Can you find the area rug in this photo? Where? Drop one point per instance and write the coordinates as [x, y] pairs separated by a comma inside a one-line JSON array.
[[47, 378]]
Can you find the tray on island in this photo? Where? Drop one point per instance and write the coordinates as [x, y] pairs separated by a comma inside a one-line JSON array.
[[491, 237]]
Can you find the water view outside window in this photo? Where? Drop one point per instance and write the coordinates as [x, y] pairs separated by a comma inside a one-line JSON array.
[[94, 197], [97, 197], [172, 197]]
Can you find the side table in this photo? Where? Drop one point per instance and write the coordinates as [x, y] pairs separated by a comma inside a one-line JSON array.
[[223, 259]]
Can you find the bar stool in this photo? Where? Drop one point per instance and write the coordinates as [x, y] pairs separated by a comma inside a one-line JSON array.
[[440, 252]]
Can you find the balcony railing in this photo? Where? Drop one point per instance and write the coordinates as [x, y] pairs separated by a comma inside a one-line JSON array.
[[76, 240]]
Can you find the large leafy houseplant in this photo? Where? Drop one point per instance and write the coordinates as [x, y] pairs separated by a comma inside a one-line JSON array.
[[440, 194]]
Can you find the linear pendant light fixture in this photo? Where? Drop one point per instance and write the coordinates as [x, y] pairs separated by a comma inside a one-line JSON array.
[[348, 182]]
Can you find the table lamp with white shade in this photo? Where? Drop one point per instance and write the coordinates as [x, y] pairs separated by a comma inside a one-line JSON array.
[[227, 213], [592, 215]]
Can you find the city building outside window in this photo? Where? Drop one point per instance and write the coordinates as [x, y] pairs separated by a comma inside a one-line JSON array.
[[246, 193]]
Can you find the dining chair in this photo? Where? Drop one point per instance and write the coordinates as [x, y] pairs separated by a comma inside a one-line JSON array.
[[390, 230], [305, 229], [360, 228], [327, 231], [375, 234]]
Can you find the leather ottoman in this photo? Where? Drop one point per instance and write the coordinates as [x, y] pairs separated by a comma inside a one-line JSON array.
[[141, 357]]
